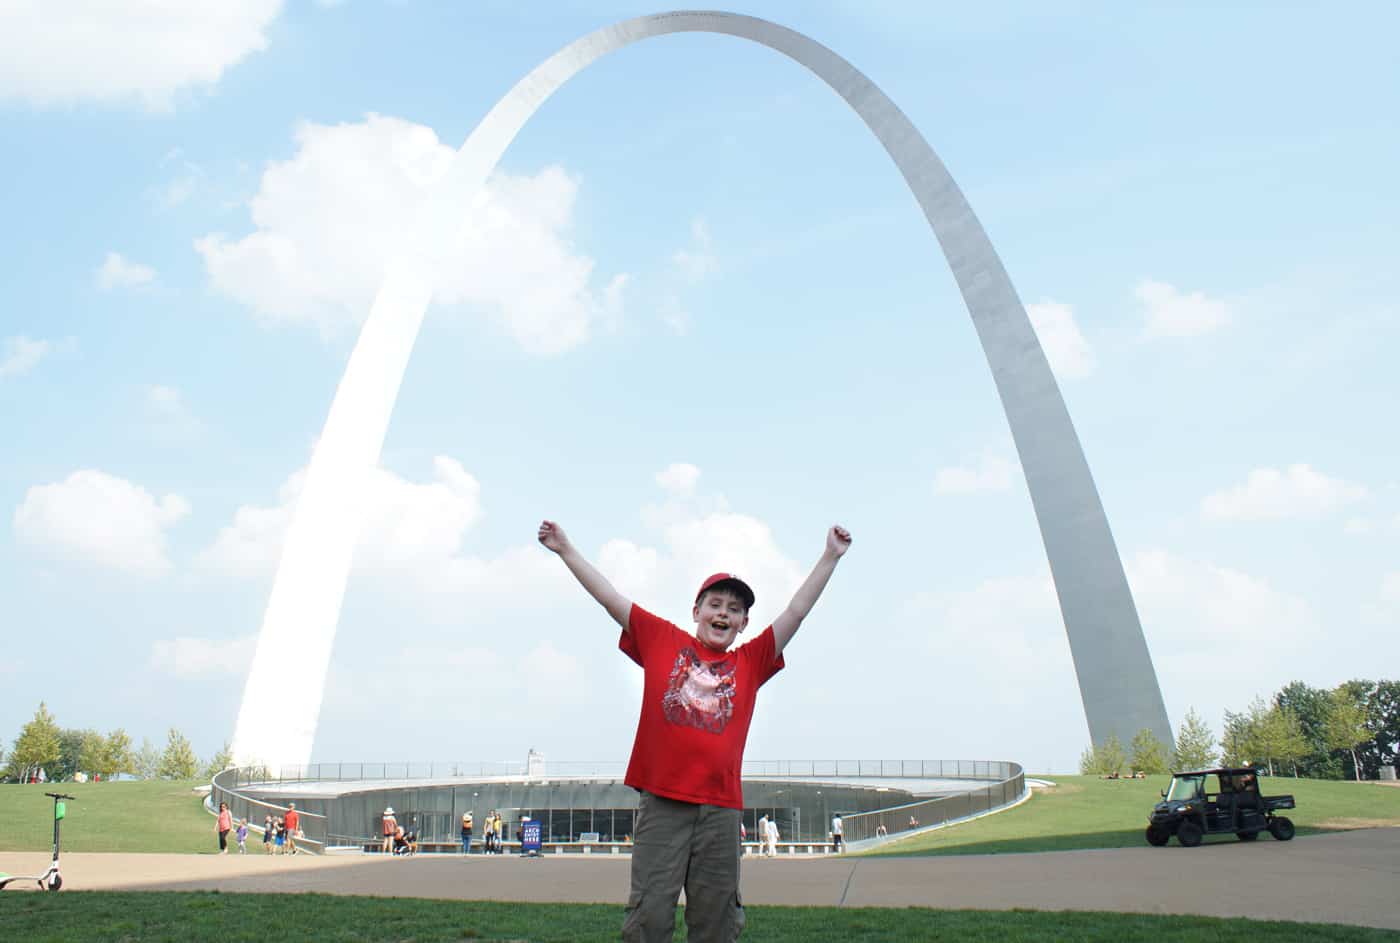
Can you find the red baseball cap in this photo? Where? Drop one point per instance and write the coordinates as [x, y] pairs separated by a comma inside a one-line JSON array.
[[731, 582]]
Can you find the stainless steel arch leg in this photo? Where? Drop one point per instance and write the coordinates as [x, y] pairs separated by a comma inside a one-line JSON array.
[[277, 721]]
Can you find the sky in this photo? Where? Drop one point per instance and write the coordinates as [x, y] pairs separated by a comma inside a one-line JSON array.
[[697, 320]]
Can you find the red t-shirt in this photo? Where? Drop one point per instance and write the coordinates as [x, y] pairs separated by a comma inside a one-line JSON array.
[[290, 820], [696, 708]]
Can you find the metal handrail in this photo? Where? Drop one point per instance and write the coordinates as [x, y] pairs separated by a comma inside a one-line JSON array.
[[752, 769], [224, 788]]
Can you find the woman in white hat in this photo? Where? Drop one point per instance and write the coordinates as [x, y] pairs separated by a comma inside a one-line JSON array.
[[390, 825]]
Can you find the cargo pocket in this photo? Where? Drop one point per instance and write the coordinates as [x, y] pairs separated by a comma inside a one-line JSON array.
[[738, 914]]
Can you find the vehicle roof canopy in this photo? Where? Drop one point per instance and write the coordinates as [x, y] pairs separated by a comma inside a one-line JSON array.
[[1228, 770]]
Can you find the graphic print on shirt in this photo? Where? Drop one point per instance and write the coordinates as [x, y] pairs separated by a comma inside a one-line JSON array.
[[700, 693]]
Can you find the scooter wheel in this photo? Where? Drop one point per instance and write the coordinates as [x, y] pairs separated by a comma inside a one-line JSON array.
[[56, 882]]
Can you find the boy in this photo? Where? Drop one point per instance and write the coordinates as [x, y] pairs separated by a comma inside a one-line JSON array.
[[697, 701]]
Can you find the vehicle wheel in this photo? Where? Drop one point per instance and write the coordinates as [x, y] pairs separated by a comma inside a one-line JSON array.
[[1157, 836], [1247, 836], [1189, 834], [1281, 828], [55, 882]]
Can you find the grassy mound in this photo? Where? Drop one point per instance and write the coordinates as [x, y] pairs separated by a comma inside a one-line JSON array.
[[120, 816], [269, 918], [1088, 812]]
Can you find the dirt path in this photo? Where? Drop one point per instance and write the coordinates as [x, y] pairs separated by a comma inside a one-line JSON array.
[[1347, 877]]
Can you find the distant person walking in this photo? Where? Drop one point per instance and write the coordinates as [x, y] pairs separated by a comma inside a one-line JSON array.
[[390, 825], [292, 820], [267, 834], [466, 832], [773, 838], [838, 838], [224, 826], [762, 835], [242, 835]]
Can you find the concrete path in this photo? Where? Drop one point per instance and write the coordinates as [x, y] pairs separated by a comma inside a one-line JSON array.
[[1345, 877]]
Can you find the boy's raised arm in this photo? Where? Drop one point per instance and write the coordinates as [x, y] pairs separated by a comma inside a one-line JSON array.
[[617, 605], [838, 541]]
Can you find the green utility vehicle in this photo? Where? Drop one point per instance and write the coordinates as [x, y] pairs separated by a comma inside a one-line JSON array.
[[1212, 801]]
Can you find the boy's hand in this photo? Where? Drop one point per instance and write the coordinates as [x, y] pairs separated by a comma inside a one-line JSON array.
[[838, 541], [553, 536]]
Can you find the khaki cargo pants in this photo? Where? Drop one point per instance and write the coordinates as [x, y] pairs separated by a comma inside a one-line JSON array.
[[680, 844]]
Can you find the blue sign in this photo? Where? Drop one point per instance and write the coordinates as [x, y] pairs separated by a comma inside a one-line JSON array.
[[530, 837]]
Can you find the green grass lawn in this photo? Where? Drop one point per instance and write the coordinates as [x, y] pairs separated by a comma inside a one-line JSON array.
[[120, 816], [270, 918], [1088, 812]]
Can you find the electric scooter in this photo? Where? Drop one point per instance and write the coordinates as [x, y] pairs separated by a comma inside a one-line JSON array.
[[50, 880]]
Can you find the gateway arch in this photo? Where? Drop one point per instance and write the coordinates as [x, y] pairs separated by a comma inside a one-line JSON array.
[[278, 717]]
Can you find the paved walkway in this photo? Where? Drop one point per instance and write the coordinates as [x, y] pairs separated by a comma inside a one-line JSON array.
[[1345, 877]]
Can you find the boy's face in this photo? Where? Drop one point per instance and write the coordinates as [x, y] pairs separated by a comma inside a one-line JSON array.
[[719, 618]]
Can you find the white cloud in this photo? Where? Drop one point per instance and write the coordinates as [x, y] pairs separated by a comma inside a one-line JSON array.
[[1195, 603], [675, 316], [329, 220], [168, 416], [678, 478], [118, 272], [1271, 493], [55, 53], [411, 528], [21, 355], [1065, 347], [994, 655], [1203, 620], [1001, 644], [202, 659], [97, 518], [992, 474], [698, 534], [697, 262], [1173, 314]]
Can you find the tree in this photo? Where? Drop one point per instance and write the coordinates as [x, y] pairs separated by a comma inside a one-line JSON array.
[[1383, 721], [1346, 722], [1237, 742], [178, 761], [219, 762], [115, 756], [1195, 744], [1149, 753], [37, 746], [1283, 737], [145, 762], [1105, 759]]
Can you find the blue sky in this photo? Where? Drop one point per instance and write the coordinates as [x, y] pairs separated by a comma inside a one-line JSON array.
[[702, 320]]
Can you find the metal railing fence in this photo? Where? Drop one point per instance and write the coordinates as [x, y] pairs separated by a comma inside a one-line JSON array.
[[224, 788], [569, 769], [1010, 787]]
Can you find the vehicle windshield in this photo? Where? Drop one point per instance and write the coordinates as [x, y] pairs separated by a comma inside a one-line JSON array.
[[1186, 787]]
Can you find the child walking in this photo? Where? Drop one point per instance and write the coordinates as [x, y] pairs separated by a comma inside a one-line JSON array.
[[242, 836], [697, 700]]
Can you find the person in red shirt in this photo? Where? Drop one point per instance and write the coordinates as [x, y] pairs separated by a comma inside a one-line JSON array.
[[697, 700], [292, 819]]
